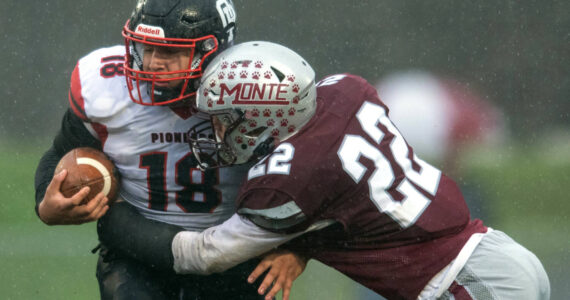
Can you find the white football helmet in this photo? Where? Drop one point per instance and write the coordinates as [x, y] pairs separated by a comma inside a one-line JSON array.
[[254, 93]]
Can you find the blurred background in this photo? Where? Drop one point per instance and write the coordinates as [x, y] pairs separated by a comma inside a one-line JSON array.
[[506, 139]]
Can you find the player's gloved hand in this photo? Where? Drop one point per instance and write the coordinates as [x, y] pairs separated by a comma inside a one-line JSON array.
[[56, 209], [284, 267]]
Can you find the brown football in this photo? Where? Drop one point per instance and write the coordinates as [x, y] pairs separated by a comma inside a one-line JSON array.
[[88, 167]]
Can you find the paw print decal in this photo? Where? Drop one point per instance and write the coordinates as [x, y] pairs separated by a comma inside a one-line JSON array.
[[225, 65], [267, 74], [267, 112], [275, 132], [221, 75], [251, 142], [284, 122], [231, 75], [279, 113], [239, 140], [270, 122], [212, 83], [291, 129], [243, 74], [242, 129], [210, 103], [234, 65], [252, 123], [296, 100], [291, 78], [255, 75], [295, 88], [258, 64], [292, 111], [255, 112]]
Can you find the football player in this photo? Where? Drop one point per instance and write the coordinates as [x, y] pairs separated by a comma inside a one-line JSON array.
[[334, 179], [133, 101]]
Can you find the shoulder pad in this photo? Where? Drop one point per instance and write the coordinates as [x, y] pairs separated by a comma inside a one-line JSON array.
[[98, 86]]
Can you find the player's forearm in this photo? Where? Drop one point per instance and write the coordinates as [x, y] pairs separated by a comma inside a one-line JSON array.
[[125, 230], [44, 173], [72, 134], [219, 248]]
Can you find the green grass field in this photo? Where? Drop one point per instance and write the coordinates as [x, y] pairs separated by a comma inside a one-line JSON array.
[[528, 192]]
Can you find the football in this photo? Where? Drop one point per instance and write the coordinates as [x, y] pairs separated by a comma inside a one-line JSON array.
[[88, 167]]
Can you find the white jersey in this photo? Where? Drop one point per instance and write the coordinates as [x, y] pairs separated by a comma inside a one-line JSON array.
[[148, 144]]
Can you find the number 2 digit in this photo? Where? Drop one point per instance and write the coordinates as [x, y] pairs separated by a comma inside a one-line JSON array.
[[383, 179], [279, 162]]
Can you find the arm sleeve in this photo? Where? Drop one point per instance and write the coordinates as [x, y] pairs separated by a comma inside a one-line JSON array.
[[125, 230], [219, 248], [72, 134]]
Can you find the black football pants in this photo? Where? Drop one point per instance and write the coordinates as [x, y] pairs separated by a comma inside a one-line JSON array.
[[122, 277]]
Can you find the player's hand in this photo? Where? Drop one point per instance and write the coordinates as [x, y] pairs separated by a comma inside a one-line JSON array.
[[284, 267], [56, 209]]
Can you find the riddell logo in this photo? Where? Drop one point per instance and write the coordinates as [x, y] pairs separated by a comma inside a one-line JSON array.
[[254, 93], [150, 30]]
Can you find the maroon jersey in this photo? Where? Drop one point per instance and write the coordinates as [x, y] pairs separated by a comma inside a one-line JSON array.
[[399, 220]]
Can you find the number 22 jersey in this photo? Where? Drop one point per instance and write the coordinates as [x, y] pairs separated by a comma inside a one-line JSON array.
[[399, 220]]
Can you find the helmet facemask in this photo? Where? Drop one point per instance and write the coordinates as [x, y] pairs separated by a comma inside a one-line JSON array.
[[217, 150], [168, 86], [227, 145]]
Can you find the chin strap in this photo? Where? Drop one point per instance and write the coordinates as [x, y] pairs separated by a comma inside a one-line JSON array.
[[263, 149]]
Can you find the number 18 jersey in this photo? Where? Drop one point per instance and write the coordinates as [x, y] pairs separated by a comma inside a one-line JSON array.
[[148, 144]]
